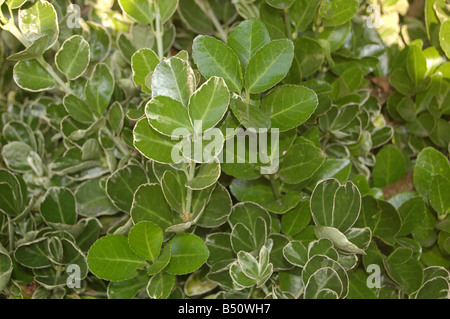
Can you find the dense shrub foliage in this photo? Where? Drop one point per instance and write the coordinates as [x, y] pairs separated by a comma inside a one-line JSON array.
[[120, 176]]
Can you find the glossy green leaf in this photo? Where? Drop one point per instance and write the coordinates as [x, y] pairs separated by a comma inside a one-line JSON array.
[[31, 76], [73, 57], [139, 10], [145, 240], [247, 38], [335, 205], [300, 163], [289, 106], [143, 63], [149, 205], [208, 105], [389, 167], [189, 253], [269, 65], [58, 206], [215, 58], [160, 285], [99, 89], [167, 116], [37, 20], [174, 78], [112, 259]]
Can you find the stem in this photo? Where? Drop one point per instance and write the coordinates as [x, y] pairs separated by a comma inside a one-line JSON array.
[[58, 80], [118, 143], [275, 188], [288, 22], [249, 296], [158, 33], [190, 176], [247, 96], [206, 8], [11, 234]]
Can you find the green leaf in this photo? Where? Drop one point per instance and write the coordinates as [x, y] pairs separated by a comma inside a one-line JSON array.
[[281, 4], [303, 12], [189, 253], [309, 57], [205, 176], [78, 109], [440, 186], [161, 263], [208, 105], [269, 65], [152, 144], [390, 166], [37, 20], [289, 106], [160, 285], [92, 200], [99, 41], [247, 38], [168, 116], [444, 37], [31, 76], [143, 63], [122, 185], [339, 240], [145, 240], [296, 253], [139, 10], [248, 115], [416, 64], [127, 289], [99, 89], [406, 271], [300, 163], [149, 205], [215, 58], [111, 258], [335, 205], [218, 210], [358, 288], [175, 192], [167, 9], [219, 246], [429, 164], [174, 78], [35, 50], [73, 58], [13, 193], [33, 254], [337, 12], [412, 214], [58, 206], [295, 220]]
